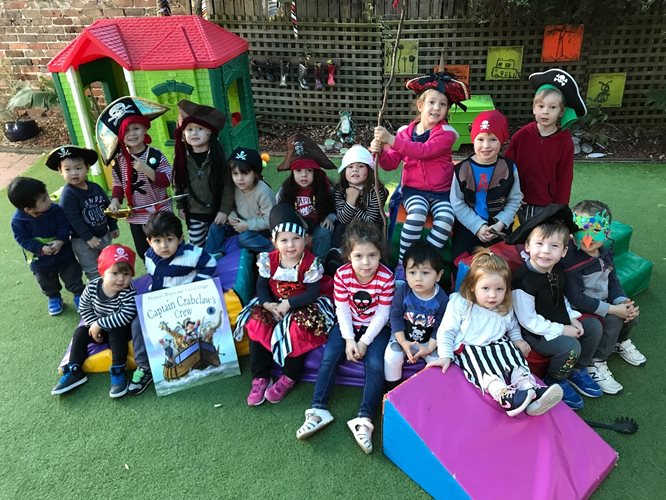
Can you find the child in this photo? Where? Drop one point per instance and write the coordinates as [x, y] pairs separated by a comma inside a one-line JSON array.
[[543, 150], [417, 310], [107, 310], [485, 193], [481, 335], [200, 170], [593, 288], [425, 148], [141, 174], [308, 190], [170, 262], [40, 228], [549, 325], [253, 199], [289, 317], [83, 203], [363, 294]]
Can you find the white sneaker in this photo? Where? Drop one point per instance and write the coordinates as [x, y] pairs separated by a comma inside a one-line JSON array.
[[602, 375], [627, 351]]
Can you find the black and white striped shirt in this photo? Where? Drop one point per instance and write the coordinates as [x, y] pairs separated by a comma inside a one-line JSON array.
[[367, 209], [109, 312]]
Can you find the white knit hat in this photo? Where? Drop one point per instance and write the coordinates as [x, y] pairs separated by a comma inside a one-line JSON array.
[[357, 153]]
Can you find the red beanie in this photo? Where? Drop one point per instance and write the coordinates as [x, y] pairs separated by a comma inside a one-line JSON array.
[[114, 254], [491, 122]]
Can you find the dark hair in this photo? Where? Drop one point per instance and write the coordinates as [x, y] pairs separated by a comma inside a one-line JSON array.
[[23, 192], [368, 187], [245, 168], [163, 223], [591, 207], [360, 232], [548, 229], [122, 267], [321, 192], [421, 252]]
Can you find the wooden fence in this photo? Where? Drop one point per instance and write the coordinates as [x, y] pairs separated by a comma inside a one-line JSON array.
[[638, 46]]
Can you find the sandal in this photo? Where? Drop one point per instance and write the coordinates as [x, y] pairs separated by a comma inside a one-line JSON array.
[[362, 428], [315, 419]]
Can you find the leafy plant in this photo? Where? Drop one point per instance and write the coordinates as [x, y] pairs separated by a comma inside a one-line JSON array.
[[591, 129], [657, 99], [26, 97]]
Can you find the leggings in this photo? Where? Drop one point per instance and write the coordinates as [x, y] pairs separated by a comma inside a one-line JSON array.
[[417, 207]]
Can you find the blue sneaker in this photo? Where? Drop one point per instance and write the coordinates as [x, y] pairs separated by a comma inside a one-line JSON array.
[[583, 383], [399, 273], [119, 383], [77, 301], [569, 396], [72, 377], [55, 305]]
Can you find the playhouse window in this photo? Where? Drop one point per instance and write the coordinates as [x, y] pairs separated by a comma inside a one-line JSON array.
[[236, 100]]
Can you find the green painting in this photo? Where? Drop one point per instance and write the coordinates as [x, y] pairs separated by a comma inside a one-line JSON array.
[[504, 63], [407, 57], [605, 90]]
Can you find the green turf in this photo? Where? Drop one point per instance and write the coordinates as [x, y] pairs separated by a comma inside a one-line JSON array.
[[85, 445]]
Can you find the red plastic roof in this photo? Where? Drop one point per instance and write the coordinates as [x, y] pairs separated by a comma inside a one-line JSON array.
[[152, 43]]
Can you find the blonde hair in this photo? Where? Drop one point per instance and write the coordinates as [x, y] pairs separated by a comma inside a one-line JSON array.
[[485, 262], [421, 98], [541, 94]]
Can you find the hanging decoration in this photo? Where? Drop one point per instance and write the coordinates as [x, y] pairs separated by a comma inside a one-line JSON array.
[[294, 19]]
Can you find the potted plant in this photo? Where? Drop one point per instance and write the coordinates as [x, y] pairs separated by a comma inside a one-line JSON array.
[[19, 126]]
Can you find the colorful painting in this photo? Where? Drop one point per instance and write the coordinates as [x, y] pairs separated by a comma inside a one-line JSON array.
[[562, 43], [188, 336], [461, 72], [504, 63], [605, 90], [407, 57]]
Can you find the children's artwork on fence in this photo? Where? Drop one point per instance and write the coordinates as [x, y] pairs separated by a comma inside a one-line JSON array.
[[460, 71], [407, 57], [605, 90], [562, 43], [188, 336], [504, 63]]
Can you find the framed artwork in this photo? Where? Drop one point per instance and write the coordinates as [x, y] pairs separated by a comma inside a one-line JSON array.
[[460, 71], [407, 58], [562, 43], [504, 63], [188, 336], [605, 90]]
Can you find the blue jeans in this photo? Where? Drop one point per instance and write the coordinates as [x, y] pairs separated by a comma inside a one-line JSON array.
[[373, 386], [251, 240], [321, 241]]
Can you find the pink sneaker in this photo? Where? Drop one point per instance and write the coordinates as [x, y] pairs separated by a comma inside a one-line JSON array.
[[258, 392], [277, 392]]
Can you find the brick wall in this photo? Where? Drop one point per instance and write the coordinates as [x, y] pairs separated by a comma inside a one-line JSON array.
[[33, 31]]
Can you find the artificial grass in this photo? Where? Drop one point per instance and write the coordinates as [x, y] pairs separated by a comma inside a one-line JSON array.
[[85, 445]]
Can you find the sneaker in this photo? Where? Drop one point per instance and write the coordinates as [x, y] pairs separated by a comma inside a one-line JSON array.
[[276, 392], [569, 396], [118, 381], [77, 301], [55, 305], [258, 392], [141, 379], [627, 351], [583, 383], [545, 398], [603, 376], [515, 401], [72, 377]]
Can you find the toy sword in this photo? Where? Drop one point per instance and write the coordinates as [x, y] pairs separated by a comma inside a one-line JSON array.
[[123, 213]]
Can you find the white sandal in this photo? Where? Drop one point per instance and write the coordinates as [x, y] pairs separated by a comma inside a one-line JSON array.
[[362, 428], [315, 419]]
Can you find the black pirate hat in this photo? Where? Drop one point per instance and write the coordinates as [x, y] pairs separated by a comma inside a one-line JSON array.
[[206, 116], [561, 80], [249, 156], [551, 213], [283, 217], [303, 152], [69, 151]]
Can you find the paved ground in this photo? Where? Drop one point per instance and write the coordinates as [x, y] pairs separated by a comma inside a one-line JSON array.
[[13, 164]]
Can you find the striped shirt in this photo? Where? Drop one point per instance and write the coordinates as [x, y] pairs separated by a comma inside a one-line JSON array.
[[189, 263], [109, 312], [367, 209], [362, 308]]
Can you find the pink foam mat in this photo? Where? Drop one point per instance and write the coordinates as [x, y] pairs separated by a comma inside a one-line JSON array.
[[474, 449]]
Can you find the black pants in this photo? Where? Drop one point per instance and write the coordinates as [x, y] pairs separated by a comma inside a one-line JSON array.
[[464, 241], [140, 241], [261, 362], [117, 339], [70, 274]]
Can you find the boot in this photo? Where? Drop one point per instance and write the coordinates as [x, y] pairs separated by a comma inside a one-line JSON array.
[[284, 72], [255, 68], [318, 72], [270, 71], [119, 383], [303, 75], [331, 73]]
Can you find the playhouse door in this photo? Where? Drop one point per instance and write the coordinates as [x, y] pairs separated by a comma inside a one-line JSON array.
[[240, 106]]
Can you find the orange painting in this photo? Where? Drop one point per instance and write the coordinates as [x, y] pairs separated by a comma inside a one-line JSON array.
[[562, 43], [461, 72]]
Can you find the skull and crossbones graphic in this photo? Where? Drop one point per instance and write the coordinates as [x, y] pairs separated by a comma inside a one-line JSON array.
[[118, 111], [362, 300], [561, 79]]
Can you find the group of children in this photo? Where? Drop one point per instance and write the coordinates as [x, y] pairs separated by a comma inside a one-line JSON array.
[[564, 302]]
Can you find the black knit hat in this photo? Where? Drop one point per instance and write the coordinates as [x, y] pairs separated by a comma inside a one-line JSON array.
[[283, 217], [552, 213], [249, 156], [68, 151]]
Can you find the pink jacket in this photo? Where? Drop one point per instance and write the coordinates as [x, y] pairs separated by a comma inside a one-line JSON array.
[[428, 166]]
